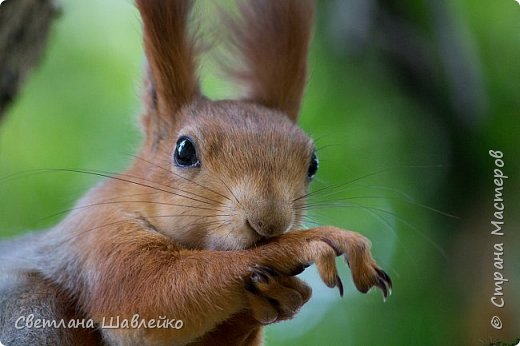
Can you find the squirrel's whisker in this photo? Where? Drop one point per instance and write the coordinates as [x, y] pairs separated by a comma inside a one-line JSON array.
[[188, 215], [123, 201], [399, 199], [111, 175], [381, 171], [180, 176], [169, 187]]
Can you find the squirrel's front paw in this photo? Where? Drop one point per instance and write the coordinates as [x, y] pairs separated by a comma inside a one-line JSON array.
[[365, 271], [273, 296], [368, 275]]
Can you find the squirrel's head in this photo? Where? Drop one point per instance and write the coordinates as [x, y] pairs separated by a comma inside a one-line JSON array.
[[226, 174]]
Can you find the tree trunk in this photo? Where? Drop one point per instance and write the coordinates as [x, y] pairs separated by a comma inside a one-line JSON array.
[[24, 28]]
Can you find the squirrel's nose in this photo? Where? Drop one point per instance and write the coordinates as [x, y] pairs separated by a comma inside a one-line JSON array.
[[269, 225]]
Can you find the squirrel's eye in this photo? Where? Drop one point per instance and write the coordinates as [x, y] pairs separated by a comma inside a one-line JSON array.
[[313, 166], [185, 153]]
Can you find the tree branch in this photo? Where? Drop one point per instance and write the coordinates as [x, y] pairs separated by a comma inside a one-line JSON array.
[[24, 29]]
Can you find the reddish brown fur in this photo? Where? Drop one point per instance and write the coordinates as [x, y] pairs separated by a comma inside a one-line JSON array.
[[170, 52], [273, 39], [152, 240]]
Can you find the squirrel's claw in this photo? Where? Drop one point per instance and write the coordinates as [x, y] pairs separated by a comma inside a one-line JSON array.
[[384, 282]]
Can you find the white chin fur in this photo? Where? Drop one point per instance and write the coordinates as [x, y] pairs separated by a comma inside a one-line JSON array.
[[232, 241]]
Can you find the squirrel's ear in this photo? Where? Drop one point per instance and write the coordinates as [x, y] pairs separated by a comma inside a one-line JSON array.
[[171, 80], [272, 37]]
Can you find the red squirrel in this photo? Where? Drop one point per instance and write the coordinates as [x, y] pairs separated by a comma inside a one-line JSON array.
[[204, 226]]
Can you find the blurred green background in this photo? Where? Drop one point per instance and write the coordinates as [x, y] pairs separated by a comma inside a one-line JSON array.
[[405, 100]]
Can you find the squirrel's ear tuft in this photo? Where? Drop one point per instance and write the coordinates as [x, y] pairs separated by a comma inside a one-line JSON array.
[[171, 80], [272, 37]]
